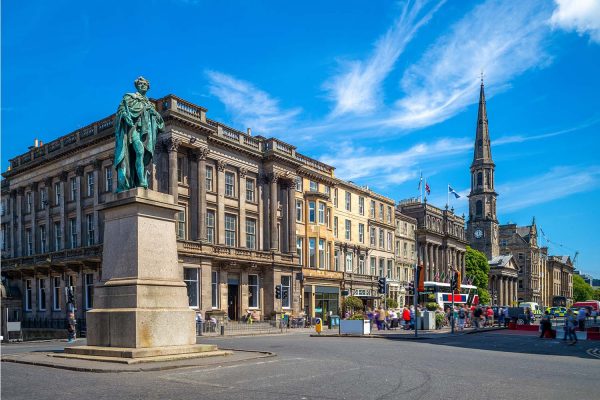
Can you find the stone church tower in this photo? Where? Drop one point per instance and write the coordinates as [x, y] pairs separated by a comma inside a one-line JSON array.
[[482, 227]]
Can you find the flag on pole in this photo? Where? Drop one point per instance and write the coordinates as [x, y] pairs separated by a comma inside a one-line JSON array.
[[427, 188], [452, 191]]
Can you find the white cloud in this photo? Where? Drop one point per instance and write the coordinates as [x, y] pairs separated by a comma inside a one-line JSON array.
[[582, 16], [358, 87], [502, 38], [250, 106], [558, 183]]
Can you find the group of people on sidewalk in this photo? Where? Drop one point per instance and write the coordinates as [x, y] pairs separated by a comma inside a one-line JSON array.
[[401, 318]]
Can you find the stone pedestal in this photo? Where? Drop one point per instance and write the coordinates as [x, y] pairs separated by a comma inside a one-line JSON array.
[[141, 302]]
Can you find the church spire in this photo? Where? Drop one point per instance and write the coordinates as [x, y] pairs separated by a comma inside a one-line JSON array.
[[482, 152]]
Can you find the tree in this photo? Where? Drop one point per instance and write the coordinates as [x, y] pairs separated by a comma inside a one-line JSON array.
[[352, 304], [478, 269], [581, 290], [391, 303], [596, 295]]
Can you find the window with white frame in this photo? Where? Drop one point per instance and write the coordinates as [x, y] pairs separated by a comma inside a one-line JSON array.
[[348, 230], [89, 221], [335, 226], [73, 189], [335, 197], [73, 233], [250, 233], [299, 184], [214, 285], [313, 186], [372, 236], [381, 267], [311, 211], [348, 201], [108, 179], [372, 210], [389, 215], [321, 213], [29, 240], [28, 202], [389, 240], [373, 265], [229, 184], [57, 236], [361, 205], [90, 184], [349, 259], [336, 259], [381, 211], [230, 228], [28, 294], [361, 233], [41, 285], [253, 291], [299, 245], [89, 291], [286, 292], [327, 255], [328, 217], [181, 225], [56, 293], [361, 264], [209, 179], [390, 269], [42, 230], [321, 253], [381, 238], [250, 190], [299, 212], [56, 193], [210, 226], [43, 198], [327, 189], [312, 256], [190, 277]]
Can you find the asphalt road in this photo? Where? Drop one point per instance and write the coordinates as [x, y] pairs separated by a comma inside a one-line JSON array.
[[486, 365]]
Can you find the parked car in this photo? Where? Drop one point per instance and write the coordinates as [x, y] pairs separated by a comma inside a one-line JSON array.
[[558, 311]]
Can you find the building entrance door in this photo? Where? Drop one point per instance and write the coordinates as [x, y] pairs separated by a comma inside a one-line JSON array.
[[233, 301]]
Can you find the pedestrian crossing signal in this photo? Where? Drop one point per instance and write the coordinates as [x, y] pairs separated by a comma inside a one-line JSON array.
[[278, 292]]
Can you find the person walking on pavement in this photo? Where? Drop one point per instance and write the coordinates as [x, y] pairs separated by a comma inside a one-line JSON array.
[[406, 318], [581, 316], [462, 316], [570, 324], [381, 319], [477, 317], [545, 324], [506, 316], [500, 316]]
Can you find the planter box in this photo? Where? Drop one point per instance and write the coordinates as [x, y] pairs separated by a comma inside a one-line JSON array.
[[428, 320], [355, 327]]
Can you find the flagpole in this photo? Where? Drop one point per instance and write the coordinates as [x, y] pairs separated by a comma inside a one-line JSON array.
[[448, 197]]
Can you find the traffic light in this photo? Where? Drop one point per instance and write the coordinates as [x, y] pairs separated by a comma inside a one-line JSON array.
[[382, 285], [455, 281], [278, 292], [411, 287]]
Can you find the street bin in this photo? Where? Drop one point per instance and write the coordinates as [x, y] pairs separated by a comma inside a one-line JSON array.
[[334, 321], [318, 325]]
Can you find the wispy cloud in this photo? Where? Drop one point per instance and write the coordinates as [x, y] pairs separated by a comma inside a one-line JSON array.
[[501, 38], [582, 16], [558, 183], [250, 106], [525, 138], [358, 87]]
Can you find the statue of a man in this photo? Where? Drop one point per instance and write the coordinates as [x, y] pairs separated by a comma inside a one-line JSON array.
[[137, 125]]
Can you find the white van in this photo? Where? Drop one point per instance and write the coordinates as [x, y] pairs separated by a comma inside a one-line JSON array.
[[535, 307]]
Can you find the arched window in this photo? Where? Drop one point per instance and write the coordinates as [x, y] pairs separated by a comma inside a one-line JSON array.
[[478, 207], [479, 179]]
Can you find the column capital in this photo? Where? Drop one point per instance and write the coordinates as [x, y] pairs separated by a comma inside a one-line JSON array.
[[171, 144], [201, 153], [243, 171], [34, 186], [64, 176], [48, 181], [221, 164], [79, 170], [96, 163], [20, 191]]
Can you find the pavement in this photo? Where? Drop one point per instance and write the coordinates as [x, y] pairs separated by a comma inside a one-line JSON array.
[[489, 364]]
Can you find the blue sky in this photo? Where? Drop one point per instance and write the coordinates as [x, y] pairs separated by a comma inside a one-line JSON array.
[[381, 90]]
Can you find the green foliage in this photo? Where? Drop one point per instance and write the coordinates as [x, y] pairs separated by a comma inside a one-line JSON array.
[[431, 297], [357, 316], [581, 290], [596, 295], [477, 267], [431, 306], [391, 303], [439, 320], [352, 303]]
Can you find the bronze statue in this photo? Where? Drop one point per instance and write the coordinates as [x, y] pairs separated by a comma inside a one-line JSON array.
[[137, 124]]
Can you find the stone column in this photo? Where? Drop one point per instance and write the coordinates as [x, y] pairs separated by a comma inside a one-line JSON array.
[[97, 164], [273, 212], [242, 202], [221, 202], [426, 260], [172, 146], [78, 206], [11, 223], [49, 224], [500, 289], [292, 217], [201, 154], [262, 215], [63, 208], [19, 211], [34, 192]]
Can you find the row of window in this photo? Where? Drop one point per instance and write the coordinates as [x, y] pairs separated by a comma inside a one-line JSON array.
[[191, 277], [231, 221], [43, 241], [231, 188], [56, 292]]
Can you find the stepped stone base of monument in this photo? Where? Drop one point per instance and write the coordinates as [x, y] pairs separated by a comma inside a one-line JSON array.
[[127, 355]]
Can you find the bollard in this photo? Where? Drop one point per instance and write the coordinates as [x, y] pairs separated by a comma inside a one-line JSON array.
[[222, 330]]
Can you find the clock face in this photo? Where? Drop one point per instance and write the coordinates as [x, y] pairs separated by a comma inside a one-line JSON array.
[[478, 233]]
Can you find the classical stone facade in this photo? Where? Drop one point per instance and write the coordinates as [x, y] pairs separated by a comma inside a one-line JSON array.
[[503, 280], [406, 253], [559, 282], [441, 240]]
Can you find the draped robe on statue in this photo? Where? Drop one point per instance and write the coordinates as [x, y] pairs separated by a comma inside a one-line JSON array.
[[137, 124]]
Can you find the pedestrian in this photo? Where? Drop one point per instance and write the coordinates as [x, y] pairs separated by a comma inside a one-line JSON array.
[[406, 318], [500, 316], [394, 318], [528, 315], [462, 316], [413, 315], [477, 317], [545, 324], [570, 324], [71, 324], [581, 316], [506, 316], [489, 316], [381, 319]]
